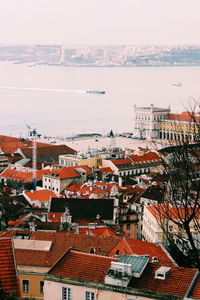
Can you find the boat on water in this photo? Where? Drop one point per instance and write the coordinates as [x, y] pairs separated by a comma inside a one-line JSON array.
[[95, 92], [177, 84]]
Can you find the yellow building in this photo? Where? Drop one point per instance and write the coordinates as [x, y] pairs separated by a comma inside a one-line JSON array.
[[184, 126], [79, 160]]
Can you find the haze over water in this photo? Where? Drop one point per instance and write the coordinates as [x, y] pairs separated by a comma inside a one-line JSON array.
[[55, 102]]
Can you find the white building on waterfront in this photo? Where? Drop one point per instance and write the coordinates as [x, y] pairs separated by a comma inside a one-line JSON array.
[[146, 120]]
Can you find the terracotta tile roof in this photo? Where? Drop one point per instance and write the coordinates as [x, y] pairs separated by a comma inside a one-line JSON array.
[[176, 283], [40, 195], [66, 172], [86, 168], [106, 170], [122, 161], [8, 277], [23, 176], [161, 211], [196, 290], [184, 116], [142, 248], [92, 267], [99, 191], [134, 159], [49, 153], [73, 187], [11, 147], [97, 231], [146, 157], [82, 266], [61, 242], [137, 189]]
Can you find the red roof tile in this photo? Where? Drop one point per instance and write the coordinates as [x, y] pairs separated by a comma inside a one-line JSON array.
[[184, 116], [106, 170], [8, 277], [162, 211], [94, 268], [122, 161], [82, 266], [97, 231], [65, 172], [142, 248], [146, 157], [86, 168], [73, 187], [196, 290], [61, 242], [40, 195], [23, 176], [176, 283]]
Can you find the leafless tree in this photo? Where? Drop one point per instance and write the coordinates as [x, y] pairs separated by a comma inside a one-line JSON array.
[[181, 180]]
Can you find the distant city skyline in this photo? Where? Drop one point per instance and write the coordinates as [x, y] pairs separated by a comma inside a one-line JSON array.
[[100, 22]]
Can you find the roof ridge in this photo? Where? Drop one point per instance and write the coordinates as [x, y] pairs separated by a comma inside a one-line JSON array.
[[92, 254]]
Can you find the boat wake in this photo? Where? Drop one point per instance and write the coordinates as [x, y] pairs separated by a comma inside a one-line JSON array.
[[41, 89]]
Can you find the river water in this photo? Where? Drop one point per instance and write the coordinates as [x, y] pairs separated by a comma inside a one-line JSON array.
[[53, 99]]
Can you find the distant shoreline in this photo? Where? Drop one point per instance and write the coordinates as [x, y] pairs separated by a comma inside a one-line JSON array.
[[35, 64]]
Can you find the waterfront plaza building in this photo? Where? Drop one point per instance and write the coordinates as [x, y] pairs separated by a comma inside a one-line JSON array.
[[146, 121], [158, 123]]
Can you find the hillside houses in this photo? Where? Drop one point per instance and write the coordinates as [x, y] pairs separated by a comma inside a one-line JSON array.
[[134, 164], [88, 228]]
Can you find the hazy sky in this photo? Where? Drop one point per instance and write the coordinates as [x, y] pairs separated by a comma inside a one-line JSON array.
[[100, 21]]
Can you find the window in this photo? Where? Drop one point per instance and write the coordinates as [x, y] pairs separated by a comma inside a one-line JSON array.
[[66, 293], [170, 227], [41, 287], [128, 226], [89, 296], [117, 252], [25, 286]]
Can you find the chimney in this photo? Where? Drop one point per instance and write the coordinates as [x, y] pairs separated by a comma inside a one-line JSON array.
[[120, 181], [162, 273]]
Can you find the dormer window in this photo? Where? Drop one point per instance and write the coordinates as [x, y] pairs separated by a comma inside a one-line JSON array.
[[117, 252], [93, 250]]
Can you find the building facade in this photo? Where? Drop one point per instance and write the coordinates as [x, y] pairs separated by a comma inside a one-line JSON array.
[[159, 123], [179, 127], [146, 121]]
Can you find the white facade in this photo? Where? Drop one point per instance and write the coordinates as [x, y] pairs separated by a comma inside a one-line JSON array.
[[146, 121], [151, 230], [54, 291]]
